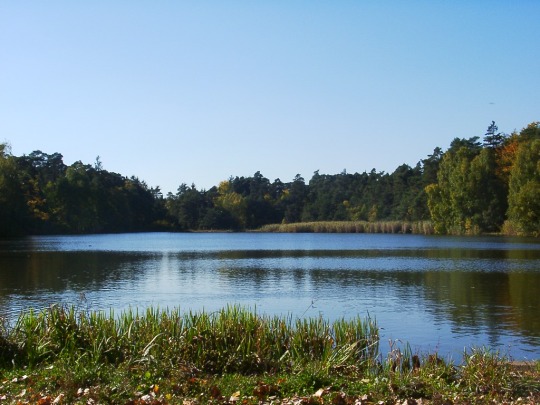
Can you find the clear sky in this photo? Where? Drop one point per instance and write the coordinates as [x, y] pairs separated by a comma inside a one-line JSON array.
[[196, 91]]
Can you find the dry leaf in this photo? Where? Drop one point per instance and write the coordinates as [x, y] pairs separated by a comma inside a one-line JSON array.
[[58, 399], [44, 401], [235, 397], [319, 393], [215, 392], [147, 398]]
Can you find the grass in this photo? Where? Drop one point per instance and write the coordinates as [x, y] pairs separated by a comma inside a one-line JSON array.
[[403, 227], [62, 355]]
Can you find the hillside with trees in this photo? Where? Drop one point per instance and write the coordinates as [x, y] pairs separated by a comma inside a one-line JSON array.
[[475, 186]]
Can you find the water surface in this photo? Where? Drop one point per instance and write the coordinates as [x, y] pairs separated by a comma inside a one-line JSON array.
[[437, 293]]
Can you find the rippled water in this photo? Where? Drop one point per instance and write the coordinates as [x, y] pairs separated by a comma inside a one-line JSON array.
[[437, 293]]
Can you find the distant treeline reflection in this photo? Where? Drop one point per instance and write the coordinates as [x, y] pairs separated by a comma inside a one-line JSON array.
[[461, 295]]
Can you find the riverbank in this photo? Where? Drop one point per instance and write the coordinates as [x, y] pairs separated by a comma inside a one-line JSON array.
[[62, 355]]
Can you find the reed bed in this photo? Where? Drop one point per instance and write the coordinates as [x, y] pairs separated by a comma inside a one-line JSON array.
[[232, 340], [65, 356], [388, 227]]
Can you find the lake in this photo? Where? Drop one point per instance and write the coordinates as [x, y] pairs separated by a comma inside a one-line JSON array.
[[439, 294]]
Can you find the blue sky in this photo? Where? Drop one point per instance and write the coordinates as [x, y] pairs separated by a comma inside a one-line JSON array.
[[196, 91]]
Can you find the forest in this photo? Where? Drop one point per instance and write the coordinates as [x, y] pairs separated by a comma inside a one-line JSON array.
[[488, 184]]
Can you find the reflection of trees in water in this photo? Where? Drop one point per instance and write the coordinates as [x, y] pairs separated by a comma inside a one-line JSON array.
[[524, 294], [4, 309], [39, 279], [489, 300], [493, 301], [30, 273]]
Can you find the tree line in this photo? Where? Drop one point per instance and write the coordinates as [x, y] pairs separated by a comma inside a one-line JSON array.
[[489, 186], [475, 186]]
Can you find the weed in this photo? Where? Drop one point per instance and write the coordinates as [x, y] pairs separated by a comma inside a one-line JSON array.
[[234, 355], [403, 227]]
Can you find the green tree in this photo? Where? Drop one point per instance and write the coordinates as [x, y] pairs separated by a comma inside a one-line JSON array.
[[38, 173], [261, 205], [430, 167], [524, 192], [14, 215], [188, 206], [74, 205], [469, 196], [408, 194], [453, 202], [492, 138], [490, 192], [293, 199]]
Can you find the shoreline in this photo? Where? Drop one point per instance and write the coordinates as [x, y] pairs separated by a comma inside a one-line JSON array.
[[61, 355], [423, 227]]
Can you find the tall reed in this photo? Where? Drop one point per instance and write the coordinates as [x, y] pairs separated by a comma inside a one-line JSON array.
[[391, 227], [233, 339]]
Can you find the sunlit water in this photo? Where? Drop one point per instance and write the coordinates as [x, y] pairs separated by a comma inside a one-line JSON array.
[[436, 293]]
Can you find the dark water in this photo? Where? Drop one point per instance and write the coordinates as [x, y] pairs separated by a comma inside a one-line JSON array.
[[437, 293]]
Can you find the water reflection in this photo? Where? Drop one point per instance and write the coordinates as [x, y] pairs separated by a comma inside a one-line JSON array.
[[438, 293], [33, 273]]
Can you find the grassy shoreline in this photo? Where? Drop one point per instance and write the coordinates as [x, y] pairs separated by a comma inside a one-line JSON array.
[[385, 227], [236, 356], [388, 227]]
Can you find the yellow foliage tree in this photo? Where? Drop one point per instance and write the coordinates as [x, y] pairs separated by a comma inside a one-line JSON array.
[[232, 202]]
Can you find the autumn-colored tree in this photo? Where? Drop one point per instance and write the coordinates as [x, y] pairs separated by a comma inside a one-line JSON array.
[[232, 202], [506, 156]]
